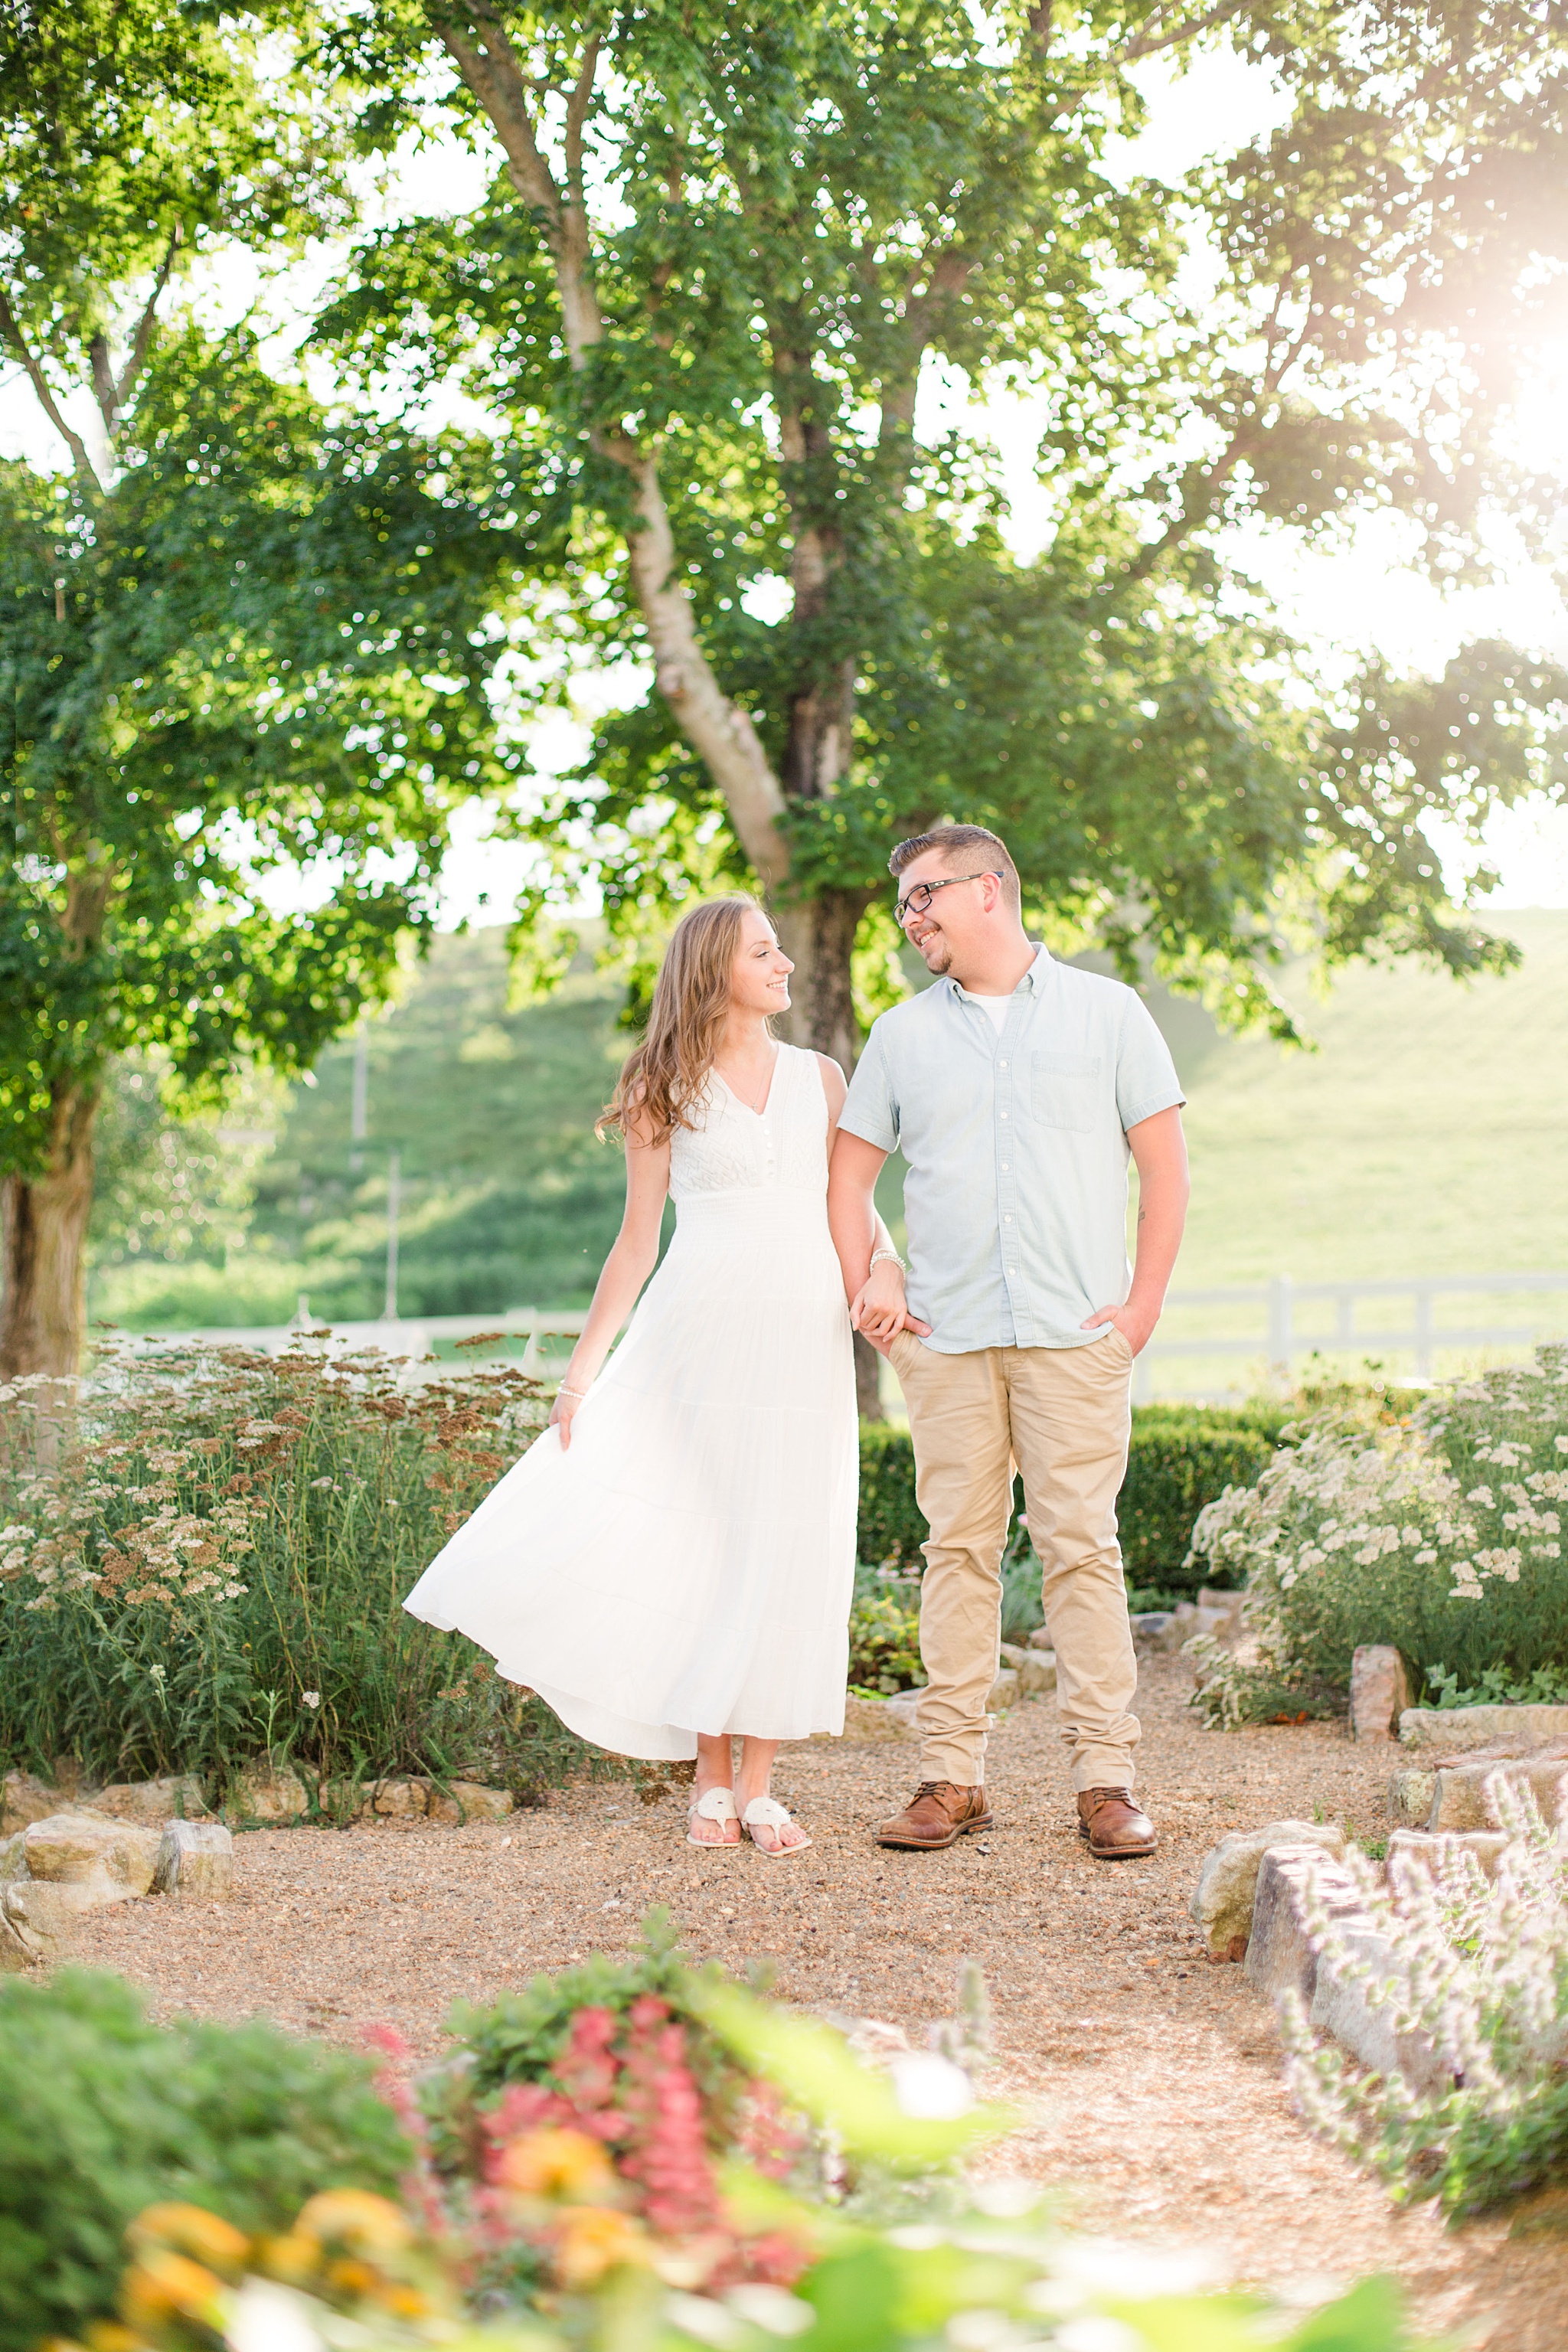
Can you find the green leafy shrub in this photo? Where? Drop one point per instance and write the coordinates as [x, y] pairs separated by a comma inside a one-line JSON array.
[[102, 2114], [1546, 1686], [1183, 1457], [890, 1527], [885, 1641], [1440, 1534], [1180, 1458], [223, 1533], [1480, 1969]]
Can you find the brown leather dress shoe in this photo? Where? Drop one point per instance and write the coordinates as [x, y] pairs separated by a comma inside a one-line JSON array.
[[1112, 1823], [939, 1813]]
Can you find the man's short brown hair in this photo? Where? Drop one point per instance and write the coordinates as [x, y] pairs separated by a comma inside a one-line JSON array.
[[959, 843]]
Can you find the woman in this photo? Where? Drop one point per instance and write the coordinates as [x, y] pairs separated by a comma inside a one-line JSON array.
[[672, 1562]]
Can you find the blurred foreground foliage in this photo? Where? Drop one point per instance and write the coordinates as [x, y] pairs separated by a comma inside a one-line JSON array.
[[102, 2113], [639, 2154]]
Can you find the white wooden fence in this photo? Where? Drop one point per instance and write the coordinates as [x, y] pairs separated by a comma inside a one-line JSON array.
[[406, 1334], [1231, 1338], [1410, 1320]]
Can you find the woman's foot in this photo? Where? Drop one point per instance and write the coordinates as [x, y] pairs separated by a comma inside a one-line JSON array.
[[771, 1828], [712, 1820]]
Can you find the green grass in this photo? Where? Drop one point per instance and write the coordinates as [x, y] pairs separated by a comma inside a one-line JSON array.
[[1425, 1134]]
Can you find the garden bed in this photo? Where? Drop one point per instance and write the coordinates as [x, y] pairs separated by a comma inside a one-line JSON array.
[[1154, 2077]]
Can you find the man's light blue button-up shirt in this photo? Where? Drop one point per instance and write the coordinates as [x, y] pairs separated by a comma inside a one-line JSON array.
[[1016, 1198]]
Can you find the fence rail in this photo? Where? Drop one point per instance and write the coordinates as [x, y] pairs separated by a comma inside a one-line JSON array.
[[403, 1335], [1290, 1328], [1287, 1323]]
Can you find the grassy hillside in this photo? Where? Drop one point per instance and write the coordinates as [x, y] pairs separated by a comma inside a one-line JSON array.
[[1427, 1133], [507, 1200]]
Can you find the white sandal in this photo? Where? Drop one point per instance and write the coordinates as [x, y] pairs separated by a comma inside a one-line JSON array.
[[717, 1805], [767, 1813]]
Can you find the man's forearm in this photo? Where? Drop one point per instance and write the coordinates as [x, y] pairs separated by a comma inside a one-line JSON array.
[[1162, 1216]]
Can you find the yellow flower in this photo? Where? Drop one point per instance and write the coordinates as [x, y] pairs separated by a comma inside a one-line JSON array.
[[290, 2258], [595, 2239], [352, 2217], [102, 2335], [191, 2230], [554, 2163], [163, 2286]]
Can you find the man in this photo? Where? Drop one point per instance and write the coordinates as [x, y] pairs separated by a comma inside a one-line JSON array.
[[1016, 1088]]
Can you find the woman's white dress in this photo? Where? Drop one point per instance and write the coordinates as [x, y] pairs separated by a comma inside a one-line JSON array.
[[688, 1565]]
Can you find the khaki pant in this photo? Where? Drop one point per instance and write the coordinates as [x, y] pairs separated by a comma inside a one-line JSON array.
[[1063, 1415]]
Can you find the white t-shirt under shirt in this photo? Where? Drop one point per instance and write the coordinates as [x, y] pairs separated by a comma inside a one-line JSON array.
[[998, 1007]]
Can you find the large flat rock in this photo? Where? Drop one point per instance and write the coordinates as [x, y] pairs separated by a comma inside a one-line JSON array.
[[1453, 1730], [1462, 1798], [97, 1860]]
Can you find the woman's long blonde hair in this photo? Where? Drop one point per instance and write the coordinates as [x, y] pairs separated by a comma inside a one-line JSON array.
[[662, 1078]]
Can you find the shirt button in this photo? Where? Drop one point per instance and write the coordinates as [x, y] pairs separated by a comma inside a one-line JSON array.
[[1004, 1168], [1004, 1114], [1001, 1065], [1007, 1221]]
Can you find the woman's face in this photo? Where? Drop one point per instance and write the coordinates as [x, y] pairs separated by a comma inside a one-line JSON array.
[[759, 977]]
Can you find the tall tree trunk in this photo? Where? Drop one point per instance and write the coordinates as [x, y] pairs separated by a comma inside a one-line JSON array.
[[43, 1236], [818, 936]]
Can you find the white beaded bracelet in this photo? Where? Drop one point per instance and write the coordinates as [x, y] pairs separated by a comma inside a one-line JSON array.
[[889, 1256], [578, 1393]]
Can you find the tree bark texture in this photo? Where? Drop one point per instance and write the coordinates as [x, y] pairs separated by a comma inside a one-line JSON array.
[[43, 1237], [818, 937]]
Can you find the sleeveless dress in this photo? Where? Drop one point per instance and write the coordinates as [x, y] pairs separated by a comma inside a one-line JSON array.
[[688, 1565]]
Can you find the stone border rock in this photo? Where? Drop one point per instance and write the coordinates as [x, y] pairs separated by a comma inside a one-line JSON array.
[[1380, 1691], [1336, 1984], [1223, 1900], [276, 1797], [1453, 1729], [70, 1862], [25, 1797]]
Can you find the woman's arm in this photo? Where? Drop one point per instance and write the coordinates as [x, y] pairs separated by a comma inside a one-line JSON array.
[[848, 1218], [628, 1267]]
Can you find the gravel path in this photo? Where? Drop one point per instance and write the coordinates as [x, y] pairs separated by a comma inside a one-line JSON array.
[[1151, 2076]]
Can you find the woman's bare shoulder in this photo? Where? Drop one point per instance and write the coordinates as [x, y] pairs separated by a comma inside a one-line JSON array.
[[835, 1085]]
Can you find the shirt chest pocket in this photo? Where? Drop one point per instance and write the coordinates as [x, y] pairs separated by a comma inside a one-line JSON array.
[[1064, 1090]]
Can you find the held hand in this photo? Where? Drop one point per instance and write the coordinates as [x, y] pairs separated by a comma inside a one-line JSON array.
[[878, 1311], [1134, 1321]]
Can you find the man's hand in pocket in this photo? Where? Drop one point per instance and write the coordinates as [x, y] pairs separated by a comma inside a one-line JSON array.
[[1135, 1323]]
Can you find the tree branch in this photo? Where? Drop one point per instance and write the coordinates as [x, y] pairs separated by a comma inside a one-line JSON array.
[[492, 69], [12, 333], [135, 358], [718, 730], [1149, 46], [577, 117], [945, 275]]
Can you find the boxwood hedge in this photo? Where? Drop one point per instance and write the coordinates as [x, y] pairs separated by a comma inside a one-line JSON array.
[[1182, 1456]]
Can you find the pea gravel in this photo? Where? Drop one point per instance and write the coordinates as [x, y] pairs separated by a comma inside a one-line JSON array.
[[1150, 2075]]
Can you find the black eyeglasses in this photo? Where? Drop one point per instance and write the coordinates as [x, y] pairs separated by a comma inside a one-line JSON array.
[[921, 896]]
